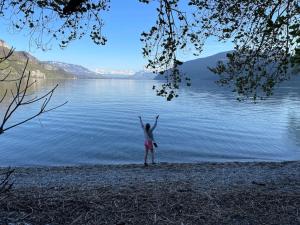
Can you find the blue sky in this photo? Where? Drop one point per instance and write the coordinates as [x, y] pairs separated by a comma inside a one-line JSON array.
[[123, 25]]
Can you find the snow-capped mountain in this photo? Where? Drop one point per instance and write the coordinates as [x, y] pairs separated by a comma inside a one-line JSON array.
[[143, 75], [77, 70]]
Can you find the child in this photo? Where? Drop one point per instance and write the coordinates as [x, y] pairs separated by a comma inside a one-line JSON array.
[[148, 132]]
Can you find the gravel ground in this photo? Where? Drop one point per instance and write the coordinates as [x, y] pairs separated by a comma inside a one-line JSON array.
[[204, 193]]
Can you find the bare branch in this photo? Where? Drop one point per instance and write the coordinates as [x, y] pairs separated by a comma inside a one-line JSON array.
[[5, 55], [20, 98]]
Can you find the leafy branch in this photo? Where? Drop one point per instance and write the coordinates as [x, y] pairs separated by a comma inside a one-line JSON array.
[[59, 20]]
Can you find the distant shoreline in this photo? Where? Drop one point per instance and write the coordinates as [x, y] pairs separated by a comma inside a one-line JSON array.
[[200, 193]]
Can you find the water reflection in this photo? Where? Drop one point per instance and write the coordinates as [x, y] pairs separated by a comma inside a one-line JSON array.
[[206, 123], [38, 88], [288, 90], [294, 126]]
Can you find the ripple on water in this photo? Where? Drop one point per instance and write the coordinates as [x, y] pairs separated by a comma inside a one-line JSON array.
[[100, 125]]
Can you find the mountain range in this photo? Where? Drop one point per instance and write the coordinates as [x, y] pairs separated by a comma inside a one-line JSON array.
[[79, 71], [41, 69], [55, 70], [198, 71], [195, 69], [17, 61]]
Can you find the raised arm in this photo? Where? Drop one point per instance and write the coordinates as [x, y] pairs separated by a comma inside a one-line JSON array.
[[141, 122], [154, 126]]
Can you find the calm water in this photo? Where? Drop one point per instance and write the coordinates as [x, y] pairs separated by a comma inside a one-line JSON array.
[[100, 125]]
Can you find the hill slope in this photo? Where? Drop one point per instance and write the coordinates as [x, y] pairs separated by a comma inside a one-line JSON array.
[[198, 70], [40, 69], [199, 73]]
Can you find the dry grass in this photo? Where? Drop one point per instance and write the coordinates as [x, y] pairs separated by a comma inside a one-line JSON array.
[[151, 203], [205, 193], [5, 182]]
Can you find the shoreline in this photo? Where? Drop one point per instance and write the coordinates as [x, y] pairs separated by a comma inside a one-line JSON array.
[[110, 174], [32, 166], [165, 193]]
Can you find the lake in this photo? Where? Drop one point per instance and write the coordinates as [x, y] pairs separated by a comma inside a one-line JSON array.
[[100, 125]]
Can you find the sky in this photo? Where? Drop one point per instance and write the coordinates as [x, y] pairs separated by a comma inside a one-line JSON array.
[[123, 25]]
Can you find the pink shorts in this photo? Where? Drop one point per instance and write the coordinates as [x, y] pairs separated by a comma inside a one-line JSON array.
[[148, 145]]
